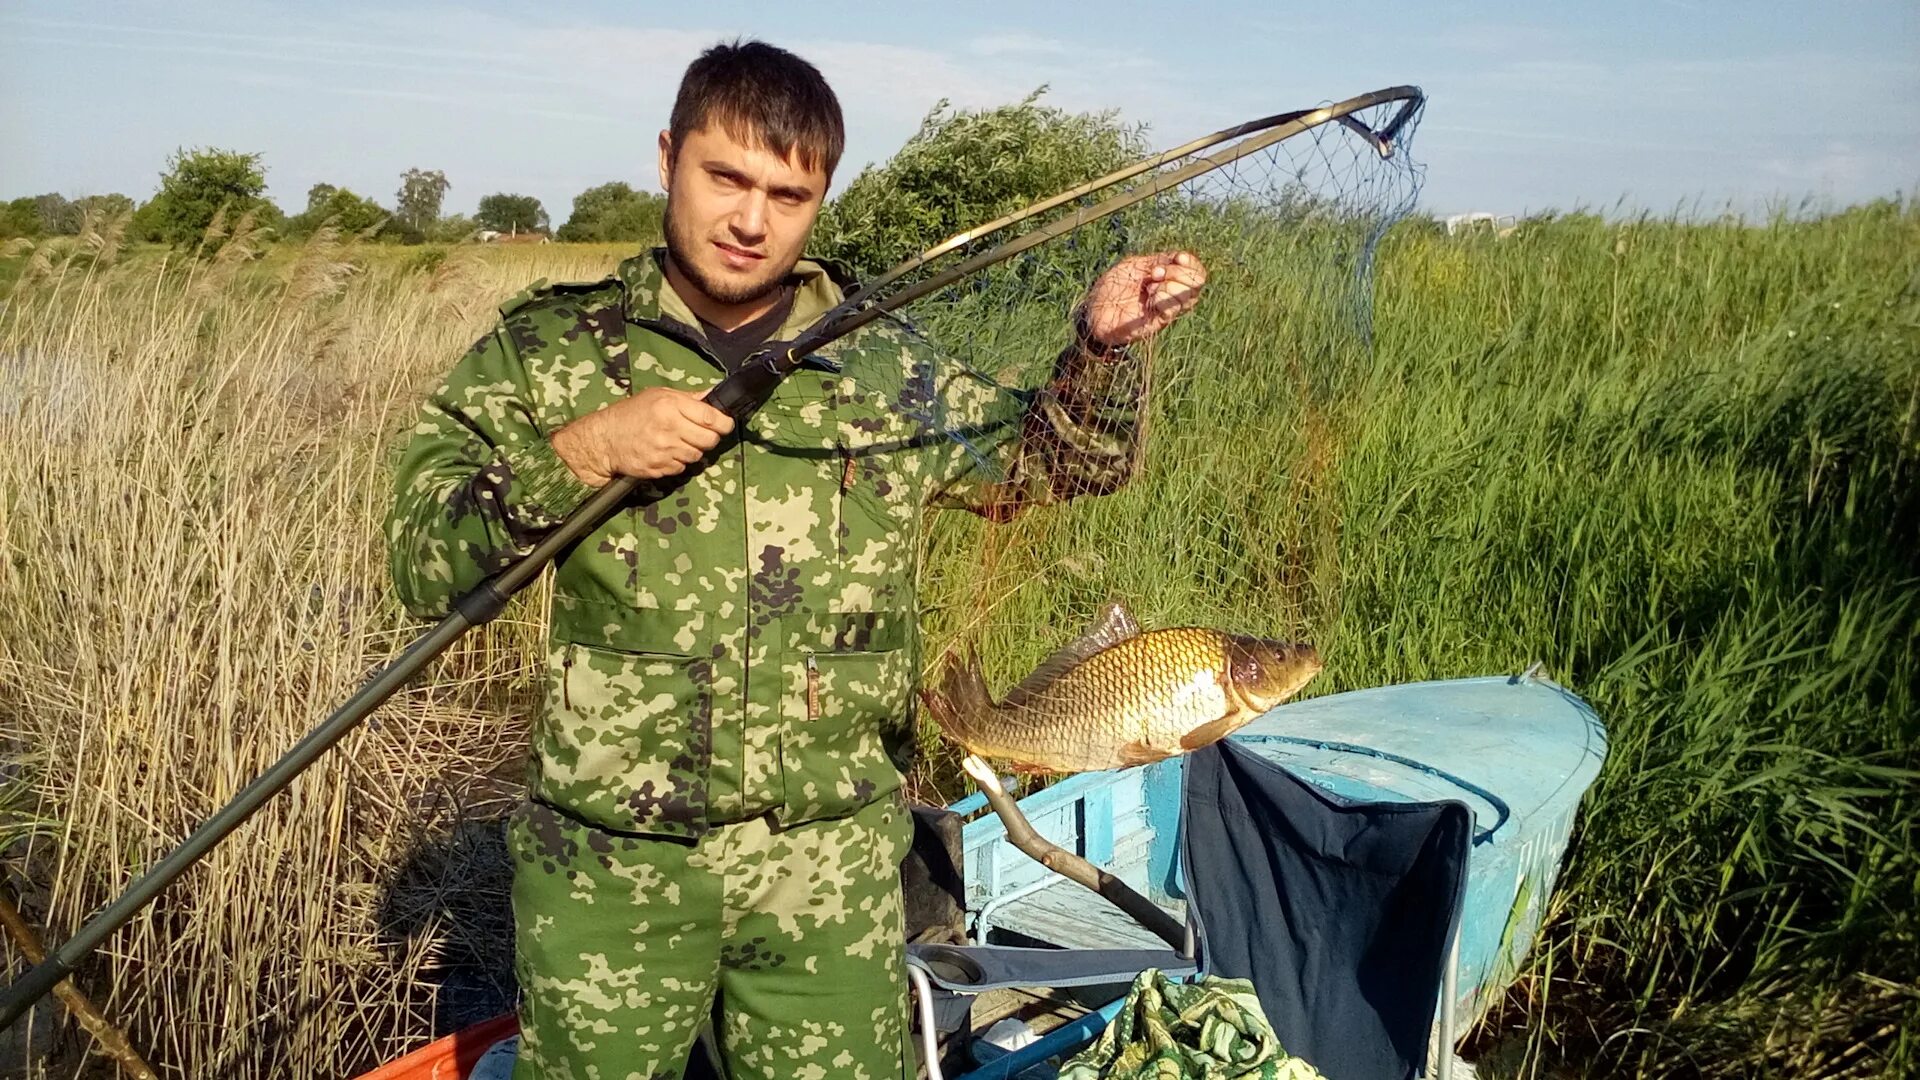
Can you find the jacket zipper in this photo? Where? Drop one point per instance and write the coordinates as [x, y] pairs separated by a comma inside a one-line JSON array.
[[813, 686], [566, 676]]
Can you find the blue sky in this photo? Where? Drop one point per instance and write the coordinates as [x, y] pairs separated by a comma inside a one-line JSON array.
[[1664, 105]]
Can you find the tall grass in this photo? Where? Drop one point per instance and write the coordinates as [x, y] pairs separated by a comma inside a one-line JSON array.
[[1673, 461], [193, 466], [1676, 463]]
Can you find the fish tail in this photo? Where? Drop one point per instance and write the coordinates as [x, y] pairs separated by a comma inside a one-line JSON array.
[[961, 697]]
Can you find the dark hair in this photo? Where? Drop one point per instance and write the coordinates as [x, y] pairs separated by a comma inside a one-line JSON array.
[[757, 93]]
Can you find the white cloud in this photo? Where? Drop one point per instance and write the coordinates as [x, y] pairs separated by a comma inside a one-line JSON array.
[[1836, 165]]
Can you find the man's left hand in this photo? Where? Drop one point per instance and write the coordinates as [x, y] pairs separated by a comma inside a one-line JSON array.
[[1140, 296]]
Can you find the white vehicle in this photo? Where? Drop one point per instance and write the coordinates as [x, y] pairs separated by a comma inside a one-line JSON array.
[[1500, 225]]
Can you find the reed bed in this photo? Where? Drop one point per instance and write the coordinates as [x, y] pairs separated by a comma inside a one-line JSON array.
[[194, 461], [1673, 461]]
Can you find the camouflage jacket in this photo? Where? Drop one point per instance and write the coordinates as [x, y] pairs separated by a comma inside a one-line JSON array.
[[747, 642]]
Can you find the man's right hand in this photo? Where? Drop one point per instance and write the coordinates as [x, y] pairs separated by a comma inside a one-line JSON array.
[[656, 432]]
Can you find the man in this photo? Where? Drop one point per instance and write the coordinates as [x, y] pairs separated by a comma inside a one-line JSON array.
[[714, 797]]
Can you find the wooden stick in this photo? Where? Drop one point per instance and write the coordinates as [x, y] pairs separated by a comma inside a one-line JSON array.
[[111, 1040], [1021, 834]]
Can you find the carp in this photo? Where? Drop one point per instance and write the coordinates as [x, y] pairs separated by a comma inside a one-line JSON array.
[[1118, 696]]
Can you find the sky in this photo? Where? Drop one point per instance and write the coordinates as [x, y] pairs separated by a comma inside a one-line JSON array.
[[1670, 106]]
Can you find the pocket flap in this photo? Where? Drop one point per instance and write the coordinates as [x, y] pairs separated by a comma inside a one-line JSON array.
[[846, 631], [635, 630]]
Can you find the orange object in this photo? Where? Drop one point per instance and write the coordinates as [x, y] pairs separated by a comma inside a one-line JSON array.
[[451, 1058]]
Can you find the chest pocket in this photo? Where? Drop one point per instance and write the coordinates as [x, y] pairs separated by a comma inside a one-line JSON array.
[[846, 710], [881, 448]]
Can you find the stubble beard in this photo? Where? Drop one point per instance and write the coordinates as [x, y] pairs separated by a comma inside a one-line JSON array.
[[682, 248]]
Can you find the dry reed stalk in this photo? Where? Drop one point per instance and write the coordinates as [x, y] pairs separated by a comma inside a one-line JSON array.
[[192, 480]]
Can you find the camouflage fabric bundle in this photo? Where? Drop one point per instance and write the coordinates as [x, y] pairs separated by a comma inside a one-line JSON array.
[[1207, 1030]]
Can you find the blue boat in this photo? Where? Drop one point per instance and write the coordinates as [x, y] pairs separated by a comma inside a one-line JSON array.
[[1519, 752], [1512, 755]]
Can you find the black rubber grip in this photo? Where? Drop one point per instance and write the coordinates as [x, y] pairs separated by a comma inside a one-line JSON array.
[[749, 386], [482, 604]]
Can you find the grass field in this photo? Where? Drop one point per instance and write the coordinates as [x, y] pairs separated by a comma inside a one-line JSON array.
[[1673, 461]]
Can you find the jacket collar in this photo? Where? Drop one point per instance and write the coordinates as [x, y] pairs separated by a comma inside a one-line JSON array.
[[652, 302]]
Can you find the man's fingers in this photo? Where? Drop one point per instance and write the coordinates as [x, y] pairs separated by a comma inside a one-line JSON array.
[[1175, 294], [698, 411], [1187, 275]]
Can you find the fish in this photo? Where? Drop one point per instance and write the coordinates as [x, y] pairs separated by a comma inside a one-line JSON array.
[[1118, 696]]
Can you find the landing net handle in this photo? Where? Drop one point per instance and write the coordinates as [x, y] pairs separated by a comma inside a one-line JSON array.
[[739, 395]]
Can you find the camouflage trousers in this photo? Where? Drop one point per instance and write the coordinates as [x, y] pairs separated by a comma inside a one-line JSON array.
[[622, 943]]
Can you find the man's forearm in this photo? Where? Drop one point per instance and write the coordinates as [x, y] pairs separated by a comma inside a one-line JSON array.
[[1080, 436]]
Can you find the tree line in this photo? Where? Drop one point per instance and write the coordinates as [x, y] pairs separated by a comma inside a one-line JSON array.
[[199, 184], [960, 168]]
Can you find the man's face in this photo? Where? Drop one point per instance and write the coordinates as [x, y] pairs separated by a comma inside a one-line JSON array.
[[737, 216]]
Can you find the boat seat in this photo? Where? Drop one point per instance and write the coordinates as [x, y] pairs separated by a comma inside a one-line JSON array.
[[975, 969]]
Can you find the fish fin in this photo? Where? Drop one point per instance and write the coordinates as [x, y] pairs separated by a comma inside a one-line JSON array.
[[1111, 625], [1028, 769], [1140, 753], [962, 694], [1214, 730]]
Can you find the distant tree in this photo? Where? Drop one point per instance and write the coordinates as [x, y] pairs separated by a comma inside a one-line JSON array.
[[146, 224], [198, 183], [511, 213], [350, 213], [20, 217], [452, 229], [417, 204], [614, 212], [103, 208], [318, 194], [58, 217]]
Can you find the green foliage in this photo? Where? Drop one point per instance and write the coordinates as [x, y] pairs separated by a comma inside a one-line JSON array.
[[103, 208], [452, 229], [21, 217], [52, 214], [58, 216], [199, 184], [424, 260], [614, 212], [963, 168], [147, 224], [417, 204], [348, 212], [506, 213], [1676, 463]]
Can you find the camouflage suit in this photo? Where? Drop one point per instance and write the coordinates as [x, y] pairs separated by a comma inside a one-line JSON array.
[[714, 777]]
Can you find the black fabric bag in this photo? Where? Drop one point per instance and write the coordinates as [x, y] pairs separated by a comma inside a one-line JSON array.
[[1337, 911]]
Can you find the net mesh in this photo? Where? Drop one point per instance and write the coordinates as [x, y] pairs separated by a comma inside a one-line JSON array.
[[1241, 401], [1298, 221]]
